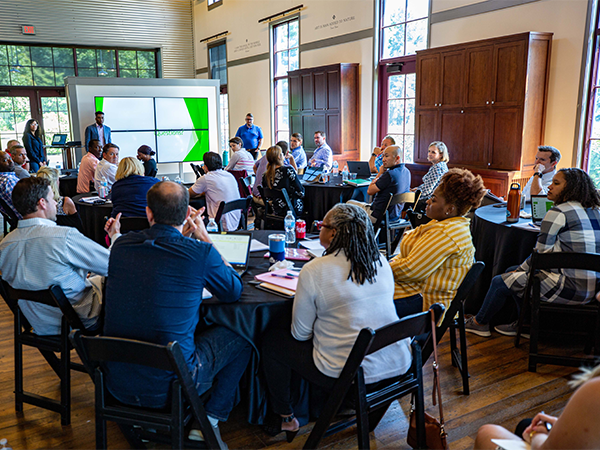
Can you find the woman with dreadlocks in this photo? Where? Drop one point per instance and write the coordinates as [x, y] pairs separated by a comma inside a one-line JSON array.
[[349, 288], [435, 257]]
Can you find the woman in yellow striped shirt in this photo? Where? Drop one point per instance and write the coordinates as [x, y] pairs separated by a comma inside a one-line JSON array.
[[435, 257]]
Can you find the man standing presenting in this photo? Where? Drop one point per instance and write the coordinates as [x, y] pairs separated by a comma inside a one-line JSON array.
[[97, 131], [19, 157], [40, 253], [544, 170], [393, 178], [87, 167], [323, 155], [154, 291], [8, 180], [251, 135]]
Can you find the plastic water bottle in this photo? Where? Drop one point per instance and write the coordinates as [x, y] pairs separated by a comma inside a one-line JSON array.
[[345, 173], [336, 169], [289, 224], [178, 179], [103, 188], [225, 157], [212, 226]]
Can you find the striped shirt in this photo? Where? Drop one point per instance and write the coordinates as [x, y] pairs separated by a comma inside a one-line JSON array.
[[241, 160], [568, 227], [40, 253], [434, 259]]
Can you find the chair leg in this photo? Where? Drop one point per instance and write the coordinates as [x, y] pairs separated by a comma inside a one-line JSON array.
[[452, 336], [18, 365], [535, 326], [464, 367], [65, 378], [376, 416], [362, 418], [177, 419]]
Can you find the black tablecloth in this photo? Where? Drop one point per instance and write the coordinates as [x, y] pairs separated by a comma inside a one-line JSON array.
[[499, 245], [68, 186], [321, 197], [92, 217]]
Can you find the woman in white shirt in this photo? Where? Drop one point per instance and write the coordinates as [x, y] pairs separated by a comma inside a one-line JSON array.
[[349, 288], [107, 167], [241, 159]]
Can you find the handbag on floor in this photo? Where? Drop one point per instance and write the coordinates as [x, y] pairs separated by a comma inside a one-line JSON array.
[[435, 434]]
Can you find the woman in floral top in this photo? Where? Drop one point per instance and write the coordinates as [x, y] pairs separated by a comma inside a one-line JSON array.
[[278, 176]]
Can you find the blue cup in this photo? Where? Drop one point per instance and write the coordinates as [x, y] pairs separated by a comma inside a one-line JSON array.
[[277, 246]]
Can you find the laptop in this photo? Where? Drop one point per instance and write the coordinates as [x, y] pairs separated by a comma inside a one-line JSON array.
[[234, 248], [312, 174], [59, 139], [361, 168], [539, 207]]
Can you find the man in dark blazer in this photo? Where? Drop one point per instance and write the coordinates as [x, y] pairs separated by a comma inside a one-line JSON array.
[[98, 131]]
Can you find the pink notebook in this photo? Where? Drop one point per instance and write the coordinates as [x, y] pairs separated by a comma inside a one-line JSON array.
[[277, 278]]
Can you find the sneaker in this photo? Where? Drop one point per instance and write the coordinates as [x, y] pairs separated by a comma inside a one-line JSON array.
[[480, 330], [510, 329], [196, 435]]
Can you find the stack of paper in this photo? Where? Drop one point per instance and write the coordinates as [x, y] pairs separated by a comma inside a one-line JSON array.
[[283, 282], [314, 247]]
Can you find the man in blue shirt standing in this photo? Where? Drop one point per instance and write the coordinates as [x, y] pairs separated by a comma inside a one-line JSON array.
[[154, 289], [251, 134], [323, 155]]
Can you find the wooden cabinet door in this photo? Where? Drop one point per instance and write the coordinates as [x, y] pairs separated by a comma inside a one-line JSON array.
[[452, 67], [505, 141], [451, 133], [295, 86], [475, 146], [428, 81], [478, 82], [426, 131], [509, 69]]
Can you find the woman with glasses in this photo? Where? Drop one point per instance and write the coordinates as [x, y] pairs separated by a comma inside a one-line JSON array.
[[349, 288]]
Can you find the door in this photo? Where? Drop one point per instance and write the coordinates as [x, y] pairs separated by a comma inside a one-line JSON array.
[[452, 65], [478, 83], [509, 81]]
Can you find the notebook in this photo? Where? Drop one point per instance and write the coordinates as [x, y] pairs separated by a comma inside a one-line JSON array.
[[361, 168], [234, 248], [539, 207]]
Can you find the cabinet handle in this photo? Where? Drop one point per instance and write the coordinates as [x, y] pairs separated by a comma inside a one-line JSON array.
[[492, 102], [461, 111], [487, 103]]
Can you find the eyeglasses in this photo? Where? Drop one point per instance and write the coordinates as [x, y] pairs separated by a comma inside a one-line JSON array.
[[328, 226]]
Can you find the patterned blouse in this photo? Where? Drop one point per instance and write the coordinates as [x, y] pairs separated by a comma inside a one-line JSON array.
[[432, 178], [286, 177], [568, 227]]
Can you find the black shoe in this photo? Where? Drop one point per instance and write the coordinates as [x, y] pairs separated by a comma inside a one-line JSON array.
[[273, 428]]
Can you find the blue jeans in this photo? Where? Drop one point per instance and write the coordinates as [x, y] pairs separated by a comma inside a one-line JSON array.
[[495, 299], [222, 357]]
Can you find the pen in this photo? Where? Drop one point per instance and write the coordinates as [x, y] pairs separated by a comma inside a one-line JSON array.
[[292, 274], [282, 276]]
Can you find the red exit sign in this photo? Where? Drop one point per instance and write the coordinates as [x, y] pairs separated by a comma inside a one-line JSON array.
[[27, 29]]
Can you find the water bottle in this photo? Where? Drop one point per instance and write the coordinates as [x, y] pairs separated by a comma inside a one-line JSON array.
[[336, 169], [103, 188], [345, 173], [212, 226], [289, 224], [178, 179], [225, 157]]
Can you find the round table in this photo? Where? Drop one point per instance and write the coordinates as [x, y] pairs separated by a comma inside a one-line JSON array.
[[321, 197], [93, 217], [68, 185], [499, 245]]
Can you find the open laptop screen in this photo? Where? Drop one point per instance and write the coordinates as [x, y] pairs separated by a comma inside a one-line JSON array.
[[235, 248], [540, 205], [59, 139]]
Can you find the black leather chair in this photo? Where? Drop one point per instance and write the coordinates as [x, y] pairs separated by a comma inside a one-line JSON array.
[[243, 204], [47, 345], [166, 424], [559, 260], [372, 401], [134, 224], [455, 320], [10, 218]]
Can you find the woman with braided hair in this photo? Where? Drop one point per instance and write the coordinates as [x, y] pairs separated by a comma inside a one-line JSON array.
[[435, 257], [349, 288]]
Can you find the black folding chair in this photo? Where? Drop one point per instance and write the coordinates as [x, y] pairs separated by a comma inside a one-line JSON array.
[[391, 231], [372, 401], [198, 171], [242, 204], [185, 403], [273, 221], [9, 216], [47, 345], [134, 224], [455, 320], [559, 260]]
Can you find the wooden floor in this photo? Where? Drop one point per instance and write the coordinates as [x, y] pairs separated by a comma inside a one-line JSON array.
[[502, 391]]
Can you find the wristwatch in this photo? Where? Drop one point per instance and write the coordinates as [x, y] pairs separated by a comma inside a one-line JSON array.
[[373, 154], [537, 174]]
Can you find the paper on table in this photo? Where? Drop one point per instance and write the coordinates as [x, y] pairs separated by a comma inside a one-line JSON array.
[[314, 247], [90, 199], [290, 283], [511, 444], [257, 246]]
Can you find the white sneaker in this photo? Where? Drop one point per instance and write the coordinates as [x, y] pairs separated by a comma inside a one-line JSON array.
[[196, 435]]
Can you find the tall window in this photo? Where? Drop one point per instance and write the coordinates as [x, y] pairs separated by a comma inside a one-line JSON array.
[[217, 63], [404, 28], [285, 57], [591, 156]]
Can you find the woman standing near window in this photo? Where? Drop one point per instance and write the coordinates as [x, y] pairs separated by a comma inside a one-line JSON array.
[[32, 141]]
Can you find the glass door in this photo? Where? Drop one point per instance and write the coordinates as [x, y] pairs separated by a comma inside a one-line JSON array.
[[14, 114], [55, 120]]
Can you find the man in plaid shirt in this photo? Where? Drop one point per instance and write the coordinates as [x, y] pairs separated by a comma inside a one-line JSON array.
[[8, 179]]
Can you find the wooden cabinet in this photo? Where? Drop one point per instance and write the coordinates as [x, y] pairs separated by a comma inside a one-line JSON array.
[[486, 100], [326, 99]]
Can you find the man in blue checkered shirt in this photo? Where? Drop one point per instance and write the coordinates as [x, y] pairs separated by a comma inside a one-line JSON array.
[[8, 179]]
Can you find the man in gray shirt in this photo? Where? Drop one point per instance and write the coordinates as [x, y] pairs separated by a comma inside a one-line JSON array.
[[19, 156]]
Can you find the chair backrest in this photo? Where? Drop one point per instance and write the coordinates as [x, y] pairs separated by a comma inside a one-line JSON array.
[[197, 170], [244, 186], [268, 195], [94, 351], [9, 214], [134, 224], [53, 296], [416, 218], [239, 175], [242, 204], [72, 220]]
